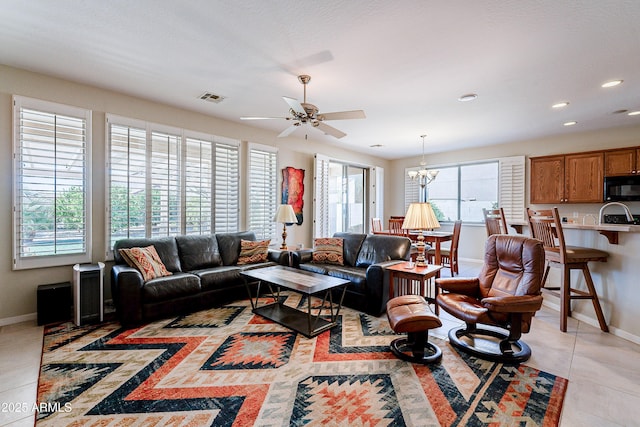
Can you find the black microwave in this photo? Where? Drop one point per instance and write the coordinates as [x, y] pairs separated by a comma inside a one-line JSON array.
[[622, 188]]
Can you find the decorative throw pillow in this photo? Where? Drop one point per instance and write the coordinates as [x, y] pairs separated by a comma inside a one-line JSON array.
[[253, 252], [147, 261], [328, 251]]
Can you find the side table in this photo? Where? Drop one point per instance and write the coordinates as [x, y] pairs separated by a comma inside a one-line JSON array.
[[414, 280]]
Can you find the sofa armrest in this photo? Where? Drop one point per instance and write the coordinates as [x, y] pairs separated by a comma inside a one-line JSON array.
[[126, 290], [378, 286], [278, 256], [301, 257]]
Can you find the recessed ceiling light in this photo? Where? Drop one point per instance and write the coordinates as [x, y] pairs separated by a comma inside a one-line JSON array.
[[570, 123], [560, 104], [468, 97], [634, 113], [612, 83]]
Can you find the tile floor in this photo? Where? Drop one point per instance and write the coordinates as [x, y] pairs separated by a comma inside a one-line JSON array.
[[603, 370]]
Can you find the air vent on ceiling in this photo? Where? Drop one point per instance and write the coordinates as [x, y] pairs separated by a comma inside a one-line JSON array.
[[212, 97]]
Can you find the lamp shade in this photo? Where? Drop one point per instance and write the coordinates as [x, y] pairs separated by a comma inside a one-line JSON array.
[[285, 214], [420, 216]]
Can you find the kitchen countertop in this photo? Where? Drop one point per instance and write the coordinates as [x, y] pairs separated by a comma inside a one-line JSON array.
[[610, 231]]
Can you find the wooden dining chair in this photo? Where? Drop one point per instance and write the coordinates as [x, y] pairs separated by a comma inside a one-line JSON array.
[[395, 226], [449, 256], [545, 225], [376, 225], [494, 221]]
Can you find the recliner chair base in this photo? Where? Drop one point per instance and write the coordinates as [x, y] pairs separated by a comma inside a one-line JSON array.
[[506, 353], [416, 348]]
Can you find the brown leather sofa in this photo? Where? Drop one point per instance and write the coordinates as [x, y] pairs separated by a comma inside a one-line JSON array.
[[204, 274]]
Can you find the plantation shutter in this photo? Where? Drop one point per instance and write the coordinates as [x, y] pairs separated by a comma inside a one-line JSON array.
[[511, 188], [227, 187], [262, 193], [164, 195], [321, 196], [198, 174], [411, 189], [52, 221], [127, 187]]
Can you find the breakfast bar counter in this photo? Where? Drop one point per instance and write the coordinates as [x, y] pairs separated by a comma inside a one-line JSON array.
[[610, 231]]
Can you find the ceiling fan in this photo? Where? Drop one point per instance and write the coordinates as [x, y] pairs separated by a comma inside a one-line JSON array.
[[304, 112]]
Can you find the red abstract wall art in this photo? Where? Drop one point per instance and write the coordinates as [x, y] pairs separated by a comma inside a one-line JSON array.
[[293, 190]]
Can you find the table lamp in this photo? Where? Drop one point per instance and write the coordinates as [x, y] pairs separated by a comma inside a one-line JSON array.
[[420, 216], [285, 215]]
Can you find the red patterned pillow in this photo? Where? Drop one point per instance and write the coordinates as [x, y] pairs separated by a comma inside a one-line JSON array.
[[147, 261], [328, 251], [253, 252]]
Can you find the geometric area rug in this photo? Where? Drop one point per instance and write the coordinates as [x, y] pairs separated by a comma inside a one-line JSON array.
[[228, 367]]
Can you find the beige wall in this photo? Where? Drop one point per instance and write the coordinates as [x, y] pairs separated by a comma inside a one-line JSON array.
[[18, 288], [616, 280]]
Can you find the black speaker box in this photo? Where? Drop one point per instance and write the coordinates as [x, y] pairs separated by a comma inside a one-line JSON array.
[[55, 303]]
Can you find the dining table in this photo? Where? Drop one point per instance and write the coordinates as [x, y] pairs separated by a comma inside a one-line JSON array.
[[434, 238]]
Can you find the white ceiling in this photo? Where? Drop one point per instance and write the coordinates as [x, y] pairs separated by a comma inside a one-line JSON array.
[[404, 63]]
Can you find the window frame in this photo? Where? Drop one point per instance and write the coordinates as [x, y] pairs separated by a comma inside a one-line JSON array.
[[41, 261], [510, 191]]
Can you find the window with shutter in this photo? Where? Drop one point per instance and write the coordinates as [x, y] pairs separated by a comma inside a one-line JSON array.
[[52, 203], [262, 192], [168, 182], [461, 191]]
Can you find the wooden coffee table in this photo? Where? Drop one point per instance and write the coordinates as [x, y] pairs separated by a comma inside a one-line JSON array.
[[414, 280], [305, 283]]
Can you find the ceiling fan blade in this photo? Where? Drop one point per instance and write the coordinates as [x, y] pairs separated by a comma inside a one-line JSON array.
[[342, 115], [288, 130], [263, 118], [329, 130], [295, 105]]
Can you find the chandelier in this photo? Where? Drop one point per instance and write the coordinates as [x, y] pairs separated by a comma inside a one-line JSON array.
[[424, 176]]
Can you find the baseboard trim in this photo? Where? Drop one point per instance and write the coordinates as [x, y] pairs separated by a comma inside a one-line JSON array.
[[18, 319], [594, 322]]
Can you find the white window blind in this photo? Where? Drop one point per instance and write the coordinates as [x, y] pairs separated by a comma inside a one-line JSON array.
[[128, 182], [227, 187], [52, 220], [165, 190], [512, 188], [198, 185], [262, 193], [168, 182], [411, 189], [321, 196]]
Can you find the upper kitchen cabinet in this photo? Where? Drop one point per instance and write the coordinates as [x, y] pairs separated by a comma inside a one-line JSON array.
[[622, 162], [570, 178], [547, 179]]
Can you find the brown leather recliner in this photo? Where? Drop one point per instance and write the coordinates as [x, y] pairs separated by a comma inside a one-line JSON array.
[[506, 294]]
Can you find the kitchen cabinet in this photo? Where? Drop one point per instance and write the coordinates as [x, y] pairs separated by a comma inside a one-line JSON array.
[[570, 178], [622, 162], [547, 179]]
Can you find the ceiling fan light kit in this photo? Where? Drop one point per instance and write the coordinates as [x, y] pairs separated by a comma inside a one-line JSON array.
[[305, 112]]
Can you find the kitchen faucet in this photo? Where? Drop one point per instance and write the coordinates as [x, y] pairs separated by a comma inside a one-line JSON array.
[[627, 212]]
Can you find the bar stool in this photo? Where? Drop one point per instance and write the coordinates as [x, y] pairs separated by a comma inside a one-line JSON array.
[[494, 221], [545, 225]]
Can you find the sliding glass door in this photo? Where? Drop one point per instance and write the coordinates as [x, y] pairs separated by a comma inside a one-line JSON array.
[[347, 198]]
